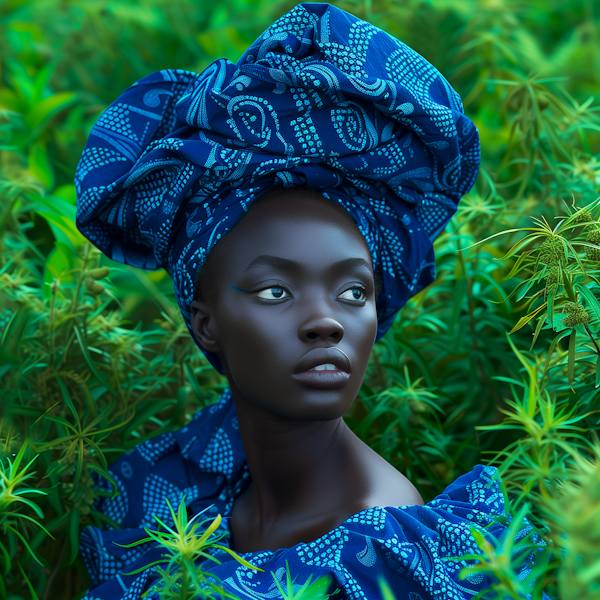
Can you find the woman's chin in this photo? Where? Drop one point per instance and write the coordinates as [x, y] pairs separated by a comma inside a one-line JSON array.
[[313, 405]]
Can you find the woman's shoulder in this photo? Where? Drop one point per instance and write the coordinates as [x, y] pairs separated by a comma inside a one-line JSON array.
[[474, 499], [416, 548]]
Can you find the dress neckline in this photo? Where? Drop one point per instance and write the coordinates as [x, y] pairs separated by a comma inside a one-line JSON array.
[[246, 479]]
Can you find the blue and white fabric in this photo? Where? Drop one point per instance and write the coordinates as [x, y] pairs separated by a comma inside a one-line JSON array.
[[205, 462], [321, 99]]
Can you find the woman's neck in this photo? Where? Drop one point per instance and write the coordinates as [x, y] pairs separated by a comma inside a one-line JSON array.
[[307, 478]]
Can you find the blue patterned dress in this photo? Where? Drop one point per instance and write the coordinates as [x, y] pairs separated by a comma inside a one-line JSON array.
[[205, 462]]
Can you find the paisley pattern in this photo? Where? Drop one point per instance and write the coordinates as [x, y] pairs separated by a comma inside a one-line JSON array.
[[321, 99], [205, 462]]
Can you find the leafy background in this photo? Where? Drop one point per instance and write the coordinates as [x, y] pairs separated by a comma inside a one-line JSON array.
[[94, 357]]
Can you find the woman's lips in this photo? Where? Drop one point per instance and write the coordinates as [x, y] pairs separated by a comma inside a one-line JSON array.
[[323, 368], [327, 380]]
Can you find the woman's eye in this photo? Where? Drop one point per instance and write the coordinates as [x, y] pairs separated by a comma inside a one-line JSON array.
[[355, 294], [272, 293]]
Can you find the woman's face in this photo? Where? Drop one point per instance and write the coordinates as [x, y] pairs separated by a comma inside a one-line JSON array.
[[295, 292]]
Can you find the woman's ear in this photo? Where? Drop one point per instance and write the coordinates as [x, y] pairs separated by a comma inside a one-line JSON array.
[[204, 326]]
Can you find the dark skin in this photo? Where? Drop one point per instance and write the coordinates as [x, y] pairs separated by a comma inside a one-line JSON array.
[[273, 321]]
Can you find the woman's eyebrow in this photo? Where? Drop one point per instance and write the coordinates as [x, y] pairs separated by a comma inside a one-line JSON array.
[[350, 263], [290, 265], [273, 261]]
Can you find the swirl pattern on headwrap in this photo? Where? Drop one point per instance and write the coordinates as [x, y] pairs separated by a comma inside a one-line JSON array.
[[321, 99]]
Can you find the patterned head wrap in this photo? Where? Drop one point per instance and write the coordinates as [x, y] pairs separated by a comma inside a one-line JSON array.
[[321, 99]]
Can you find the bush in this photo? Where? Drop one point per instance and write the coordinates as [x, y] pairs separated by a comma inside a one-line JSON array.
[[94, 357]]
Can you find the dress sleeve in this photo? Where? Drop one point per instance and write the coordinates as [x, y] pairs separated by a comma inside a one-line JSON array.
[[204, 462], [411, 547], [407, 546]]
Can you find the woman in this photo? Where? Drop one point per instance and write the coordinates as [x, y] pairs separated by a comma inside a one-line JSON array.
[[294, 198]]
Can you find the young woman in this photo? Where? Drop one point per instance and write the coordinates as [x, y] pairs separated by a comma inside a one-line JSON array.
[[294, 198]]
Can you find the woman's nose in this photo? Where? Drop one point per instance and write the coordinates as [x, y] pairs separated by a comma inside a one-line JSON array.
[[323, 328]]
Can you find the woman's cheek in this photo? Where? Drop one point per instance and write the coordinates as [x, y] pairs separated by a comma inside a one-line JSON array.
[[254, 338]]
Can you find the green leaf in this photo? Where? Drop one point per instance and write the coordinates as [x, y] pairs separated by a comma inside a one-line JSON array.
[[63, 228], [531, 370], [460, 291], [525, 289], [517, 266], [66, 397], [58, 203], [538, 328], [26, 544], [193, 381], [5, 558], [418, 359], [66, 192], [43, 110], [550, 303], [589, 296], [571, 357], [386, 590], [90, 363], [524, 320], [40, 167], [73, 529], [237, 557], [553, 344], [34, 596], [58, 266]]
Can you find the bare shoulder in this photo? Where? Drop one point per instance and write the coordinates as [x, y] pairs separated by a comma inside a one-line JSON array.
[[409, 493], [385, 485], [390, 487], [395, 490]]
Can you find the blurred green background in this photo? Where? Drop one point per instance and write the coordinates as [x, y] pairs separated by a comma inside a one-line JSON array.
[[94, 357]]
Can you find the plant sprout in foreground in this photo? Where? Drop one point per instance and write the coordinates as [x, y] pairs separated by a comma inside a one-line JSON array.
[[577, 512], [12, 517], [183, 579], [306, 591]]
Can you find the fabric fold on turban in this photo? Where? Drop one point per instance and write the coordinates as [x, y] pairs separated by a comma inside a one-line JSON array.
[[322, 100]]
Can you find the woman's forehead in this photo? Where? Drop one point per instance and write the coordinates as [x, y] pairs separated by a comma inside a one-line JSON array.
[[304, 230]]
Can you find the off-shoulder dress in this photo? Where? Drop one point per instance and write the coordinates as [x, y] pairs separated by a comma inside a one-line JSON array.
[[407, 546]]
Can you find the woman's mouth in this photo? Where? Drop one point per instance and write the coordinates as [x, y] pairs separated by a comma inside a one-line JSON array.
[[325, 376]]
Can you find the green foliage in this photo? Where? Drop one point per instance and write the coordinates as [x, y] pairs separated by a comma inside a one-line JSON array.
[[182, 579], [94, 357], [306, 591], [11, 516]]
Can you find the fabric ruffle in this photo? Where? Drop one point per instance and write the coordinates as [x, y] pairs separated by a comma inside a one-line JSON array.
[[321, 100], [205, 461]]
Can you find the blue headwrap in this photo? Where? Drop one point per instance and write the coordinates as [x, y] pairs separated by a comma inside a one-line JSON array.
[[321, 99]]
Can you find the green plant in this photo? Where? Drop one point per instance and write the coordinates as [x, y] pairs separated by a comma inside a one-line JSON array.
[[94, 357], [577, 513], [307, 591], [13, 519], [182, 579]]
